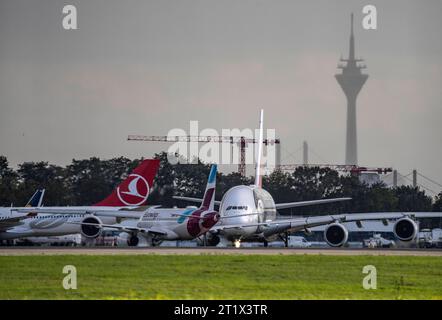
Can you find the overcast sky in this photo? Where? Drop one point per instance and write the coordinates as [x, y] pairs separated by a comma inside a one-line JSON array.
[[145, 67]]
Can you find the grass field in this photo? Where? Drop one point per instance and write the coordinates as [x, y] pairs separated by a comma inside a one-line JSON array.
[[220, 277]]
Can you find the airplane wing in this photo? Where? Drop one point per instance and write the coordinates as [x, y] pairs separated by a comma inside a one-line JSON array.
[[278, 205], [103, 213], [220, 228], [308, 203], [315, 221], [13, 221], [197, 200], [297, 224], [123, 228]]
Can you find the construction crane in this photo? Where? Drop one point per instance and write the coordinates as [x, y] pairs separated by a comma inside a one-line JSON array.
[[353, 169], [241, 141]]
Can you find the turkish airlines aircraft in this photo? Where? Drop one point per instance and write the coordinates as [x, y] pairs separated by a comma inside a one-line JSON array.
[[52, 221], [254, 216], [158, 224]]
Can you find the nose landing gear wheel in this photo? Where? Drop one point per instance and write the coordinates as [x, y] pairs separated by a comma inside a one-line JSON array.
[[237, 243]]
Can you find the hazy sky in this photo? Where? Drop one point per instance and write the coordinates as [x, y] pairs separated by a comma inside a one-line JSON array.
[[144, 67]]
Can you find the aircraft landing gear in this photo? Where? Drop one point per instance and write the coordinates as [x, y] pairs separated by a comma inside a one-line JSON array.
[[266, 243], [285, 238], [237, 243], [202, 240], [155, 242]]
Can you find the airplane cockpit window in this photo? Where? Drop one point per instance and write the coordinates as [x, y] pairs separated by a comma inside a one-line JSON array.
[[237, 208]]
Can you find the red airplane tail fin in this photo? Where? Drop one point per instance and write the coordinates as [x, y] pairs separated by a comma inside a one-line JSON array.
[[135, 189]]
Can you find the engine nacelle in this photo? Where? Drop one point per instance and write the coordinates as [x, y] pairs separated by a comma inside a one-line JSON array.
[[336, 235], [213, 240], [89, 231], [405, 229], [132, 240]]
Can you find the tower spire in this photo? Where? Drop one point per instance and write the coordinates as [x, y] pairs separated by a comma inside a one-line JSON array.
[[351, 55], [351, 17]]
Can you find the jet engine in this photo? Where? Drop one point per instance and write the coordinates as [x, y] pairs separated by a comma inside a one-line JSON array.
[[132, 240], [91, 231], [213, 240], [405, 229], [336, 235]]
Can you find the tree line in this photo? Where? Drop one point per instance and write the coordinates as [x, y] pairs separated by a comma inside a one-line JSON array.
[[87, 181]]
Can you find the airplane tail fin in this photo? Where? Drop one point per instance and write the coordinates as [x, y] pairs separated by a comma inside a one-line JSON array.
[[258, 175], [135, 189], [36, 199], [209, 195]]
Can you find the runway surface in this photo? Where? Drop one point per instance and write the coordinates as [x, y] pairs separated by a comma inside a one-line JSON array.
[[22, 251]]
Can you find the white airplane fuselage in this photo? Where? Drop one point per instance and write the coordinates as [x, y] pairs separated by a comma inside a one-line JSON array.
[[49, 224], [178, 224], [241, 200]]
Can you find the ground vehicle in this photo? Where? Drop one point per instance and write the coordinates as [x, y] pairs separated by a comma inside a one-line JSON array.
[[299, 242], [377, 241], [425, 239]]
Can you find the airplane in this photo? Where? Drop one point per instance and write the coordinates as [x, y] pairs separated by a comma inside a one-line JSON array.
[[255, 218], [159, 224], [52, 221], [8, 219]]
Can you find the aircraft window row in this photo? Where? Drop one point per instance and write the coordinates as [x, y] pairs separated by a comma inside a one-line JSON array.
[[237, 207], [52, 217], [149, 217]]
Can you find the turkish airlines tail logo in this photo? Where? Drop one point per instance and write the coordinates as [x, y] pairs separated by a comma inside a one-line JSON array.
[[136, 188], [133, 187], [137, 191]]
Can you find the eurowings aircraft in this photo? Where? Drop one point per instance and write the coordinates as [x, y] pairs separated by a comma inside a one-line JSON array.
[[52, 221], [254, 215]]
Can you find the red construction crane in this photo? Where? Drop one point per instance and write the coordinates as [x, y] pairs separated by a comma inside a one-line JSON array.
[[241, 141]]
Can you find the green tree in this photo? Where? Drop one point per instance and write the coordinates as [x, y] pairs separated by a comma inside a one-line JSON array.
[[37, 175], [437, 205], [8, 183], [412, 199], [280, 185], [380, 198], [179, 179], [91, 180], [312, 183]]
